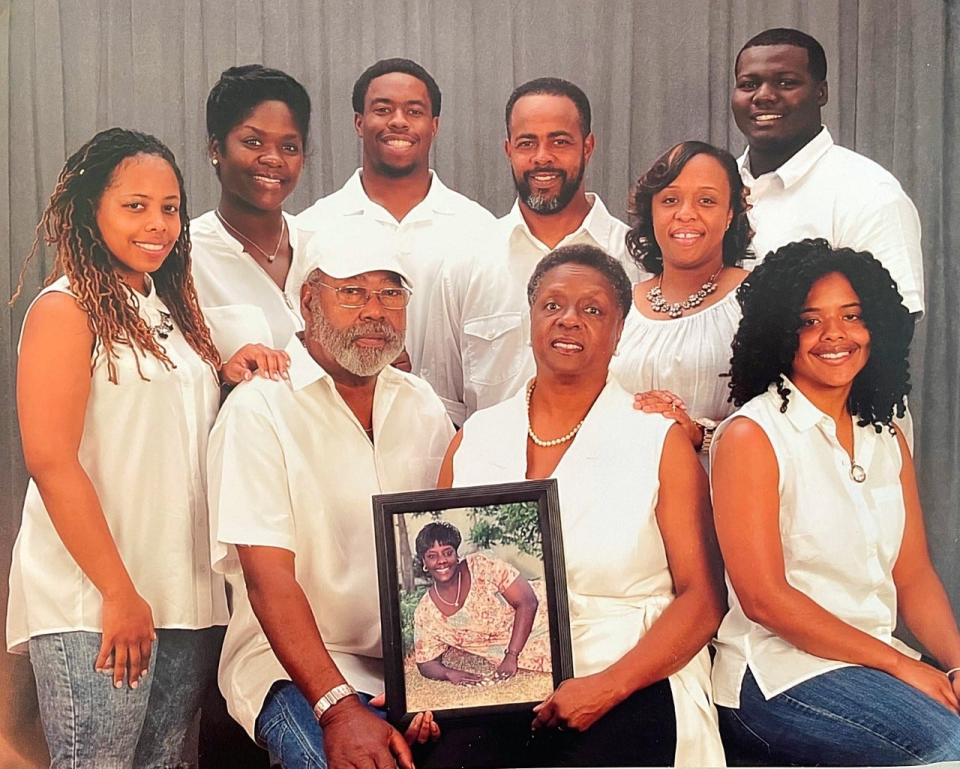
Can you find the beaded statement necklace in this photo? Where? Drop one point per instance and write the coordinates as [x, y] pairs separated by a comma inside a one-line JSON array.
[[536, 438], [676, 309]]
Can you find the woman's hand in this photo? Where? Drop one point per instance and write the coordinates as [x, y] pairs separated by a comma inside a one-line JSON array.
[[671, 406], [128, 634], [461, 677], [932, 682], [507, 668], [955, 685], [578, 703], [422, 728], [255, 359]]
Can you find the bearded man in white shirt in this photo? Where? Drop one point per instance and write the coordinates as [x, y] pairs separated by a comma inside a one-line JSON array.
[[481, 357], [396, 105], [802, 184], [292, 468]]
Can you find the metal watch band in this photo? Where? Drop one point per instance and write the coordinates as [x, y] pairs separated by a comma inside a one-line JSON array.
[[331, 698]]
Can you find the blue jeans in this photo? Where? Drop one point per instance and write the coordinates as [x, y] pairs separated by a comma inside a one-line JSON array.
[[853, 716], [289, 730], [91, 725]]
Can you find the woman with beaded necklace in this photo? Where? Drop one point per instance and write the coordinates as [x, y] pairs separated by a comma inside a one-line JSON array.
[[691, 231], [642, 569], [258, 122], [111, 590]]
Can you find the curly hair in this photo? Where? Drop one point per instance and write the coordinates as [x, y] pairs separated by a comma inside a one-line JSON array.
[[642, 243], [772, 298], [241, 89], [587, 256], [69, 225]]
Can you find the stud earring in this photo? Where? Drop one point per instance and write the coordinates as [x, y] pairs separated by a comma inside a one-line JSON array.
[[214, 162]]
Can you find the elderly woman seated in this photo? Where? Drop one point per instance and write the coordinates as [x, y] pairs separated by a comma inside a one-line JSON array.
[[642, 578]]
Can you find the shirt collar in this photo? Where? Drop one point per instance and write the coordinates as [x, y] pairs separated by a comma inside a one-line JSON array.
[[796, 167], [596, 224], [437, 200], [237, 246], [801, 412]]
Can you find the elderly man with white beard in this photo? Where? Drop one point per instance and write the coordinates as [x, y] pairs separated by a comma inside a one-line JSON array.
[[292, 467]]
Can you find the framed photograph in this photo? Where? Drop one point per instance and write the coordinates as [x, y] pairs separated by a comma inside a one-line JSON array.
[[473, 598]]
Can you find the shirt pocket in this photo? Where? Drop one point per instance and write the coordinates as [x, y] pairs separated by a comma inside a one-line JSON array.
[[234, 325], [492, 347]]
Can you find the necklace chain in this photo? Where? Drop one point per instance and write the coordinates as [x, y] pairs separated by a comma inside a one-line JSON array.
[[456, 601], [676, 309], [544, 444], [269, 257]]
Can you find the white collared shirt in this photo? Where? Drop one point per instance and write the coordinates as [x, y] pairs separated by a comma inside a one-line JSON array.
[[291, 467], [840, 542], [828, 191], [443, 224], [240, 302], [143, 448], [480, 356]]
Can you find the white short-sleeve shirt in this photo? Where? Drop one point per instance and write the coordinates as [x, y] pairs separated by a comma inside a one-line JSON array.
[[840, 542], [442, 225], [143, 448], [240, 302], [291, 467], [827, 191], [480, 356]]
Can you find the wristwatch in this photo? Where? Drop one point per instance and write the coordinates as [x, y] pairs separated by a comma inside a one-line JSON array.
[[331, 698], [709, 427]]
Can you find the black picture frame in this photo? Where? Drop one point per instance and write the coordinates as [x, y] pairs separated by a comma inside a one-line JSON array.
[[388, 507]]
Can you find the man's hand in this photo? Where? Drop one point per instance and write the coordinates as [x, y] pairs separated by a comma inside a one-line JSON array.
[[422, 728], [355, 737]]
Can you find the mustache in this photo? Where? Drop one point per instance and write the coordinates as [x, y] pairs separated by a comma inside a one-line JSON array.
[[528, 175], [371, 328]]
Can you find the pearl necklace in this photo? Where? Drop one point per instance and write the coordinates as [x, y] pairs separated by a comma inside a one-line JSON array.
[[536, 438], [456, 601], [675, 309], [269, 257]]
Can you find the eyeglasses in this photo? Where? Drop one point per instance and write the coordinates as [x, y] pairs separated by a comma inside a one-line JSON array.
[[355, 297]]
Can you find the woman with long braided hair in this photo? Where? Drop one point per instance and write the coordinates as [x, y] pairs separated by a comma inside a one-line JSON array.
[[111, 591]]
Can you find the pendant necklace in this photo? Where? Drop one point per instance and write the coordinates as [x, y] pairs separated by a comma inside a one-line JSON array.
[[456, 601], [269, 257], [544, 444], [857, 473], [676, 309]]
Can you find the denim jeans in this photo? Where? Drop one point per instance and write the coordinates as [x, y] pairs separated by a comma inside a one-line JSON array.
[[288, 729], [853, 716], [91, 725]]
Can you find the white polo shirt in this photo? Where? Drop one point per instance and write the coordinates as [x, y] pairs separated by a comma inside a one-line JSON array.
[[480, 355], [840, 542], [291, 467], [240, 302], [828, 191], [444, 223]]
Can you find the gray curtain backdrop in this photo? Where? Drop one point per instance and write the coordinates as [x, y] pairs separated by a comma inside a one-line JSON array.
[[657, 72]]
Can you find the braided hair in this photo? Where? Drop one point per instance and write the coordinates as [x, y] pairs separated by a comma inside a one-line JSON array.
[[69, 225], [772, 297]]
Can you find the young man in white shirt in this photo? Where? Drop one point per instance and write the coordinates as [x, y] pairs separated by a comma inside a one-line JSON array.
[[480, 357], [802, 184], [396, 105], [292, 467]]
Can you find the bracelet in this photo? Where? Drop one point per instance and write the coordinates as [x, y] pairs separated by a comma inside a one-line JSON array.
[[951, 672], [517, 654]]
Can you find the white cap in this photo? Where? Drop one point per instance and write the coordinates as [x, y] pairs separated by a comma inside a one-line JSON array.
[[350, 246]]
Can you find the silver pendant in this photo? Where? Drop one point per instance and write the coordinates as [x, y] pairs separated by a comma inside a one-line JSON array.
[[857, 473]]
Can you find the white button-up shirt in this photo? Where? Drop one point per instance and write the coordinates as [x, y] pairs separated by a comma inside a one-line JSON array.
[[827, 191], [143, 447], [443, 224], [291, 467], [241, 303], [480, 356], [840, 542]]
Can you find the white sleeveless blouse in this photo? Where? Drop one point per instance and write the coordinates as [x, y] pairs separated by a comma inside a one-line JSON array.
[[144, 449], [618, 579]]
